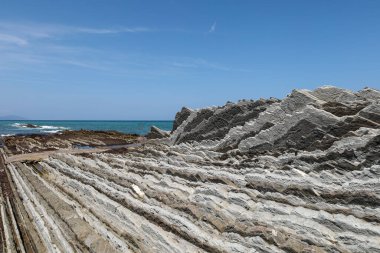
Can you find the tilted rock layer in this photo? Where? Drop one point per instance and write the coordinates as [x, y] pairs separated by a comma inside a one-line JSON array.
[[300, 174]]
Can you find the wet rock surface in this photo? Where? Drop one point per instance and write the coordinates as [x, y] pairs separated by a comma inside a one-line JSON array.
[[300, 174]]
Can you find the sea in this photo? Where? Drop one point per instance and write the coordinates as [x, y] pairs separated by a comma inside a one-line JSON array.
[[17, 127]]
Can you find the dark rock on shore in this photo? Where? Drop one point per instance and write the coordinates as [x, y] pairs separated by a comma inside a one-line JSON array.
[[180, 117], [156, 133], [65, 139], [31, 126]]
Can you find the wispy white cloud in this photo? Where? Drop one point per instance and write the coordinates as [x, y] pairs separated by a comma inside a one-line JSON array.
[[110, 30], [212, 28], [199, 63], [11, 39], [21, 33], [38, 48], [81, 64]]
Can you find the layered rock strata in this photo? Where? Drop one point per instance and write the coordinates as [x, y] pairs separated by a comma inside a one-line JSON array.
[[300, 174], [65, 140], [156, 133]]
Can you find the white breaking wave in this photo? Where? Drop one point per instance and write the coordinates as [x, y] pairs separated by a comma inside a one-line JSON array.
[[38, 128], [52, 131], [19, 125], [32, 126], [6, 135], [53, 127]]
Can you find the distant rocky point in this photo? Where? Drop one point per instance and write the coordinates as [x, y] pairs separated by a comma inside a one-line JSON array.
[[28, 125], [301, 174]]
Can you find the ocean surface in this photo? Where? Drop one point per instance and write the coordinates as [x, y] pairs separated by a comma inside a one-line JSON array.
[[14, 127]]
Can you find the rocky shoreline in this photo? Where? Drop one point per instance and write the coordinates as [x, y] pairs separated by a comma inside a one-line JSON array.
[[301, 174], [30, 143]]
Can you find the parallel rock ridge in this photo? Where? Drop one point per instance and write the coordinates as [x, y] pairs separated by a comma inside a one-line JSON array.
[[300, 174]]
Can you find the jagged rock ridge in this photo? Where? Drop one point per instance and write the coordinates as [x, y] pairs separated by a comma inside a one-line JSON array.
[[294, 175]]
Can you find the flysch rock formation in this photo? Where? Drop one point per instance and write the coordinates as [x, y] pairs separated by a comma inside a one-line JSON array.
[[300, 174], [156, 133]]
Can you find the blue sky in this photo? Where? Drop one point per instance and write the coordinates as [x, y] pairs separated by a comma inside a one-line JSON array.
[[122, 59]]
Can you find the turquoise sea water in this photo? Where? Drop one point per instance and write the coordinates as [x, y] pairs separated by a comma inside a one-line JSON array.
[[13, 127]]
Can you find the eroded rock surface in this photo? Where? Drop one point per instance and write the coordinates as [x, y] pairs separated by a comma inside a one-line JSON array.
[[156, 133], [300, 174], [66, 139], [181, 116]]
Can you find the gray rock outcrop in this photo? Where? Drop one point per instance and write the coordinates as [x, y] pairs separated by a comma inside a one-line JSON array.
[[300, 174], [180, 117], [156, 133]]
